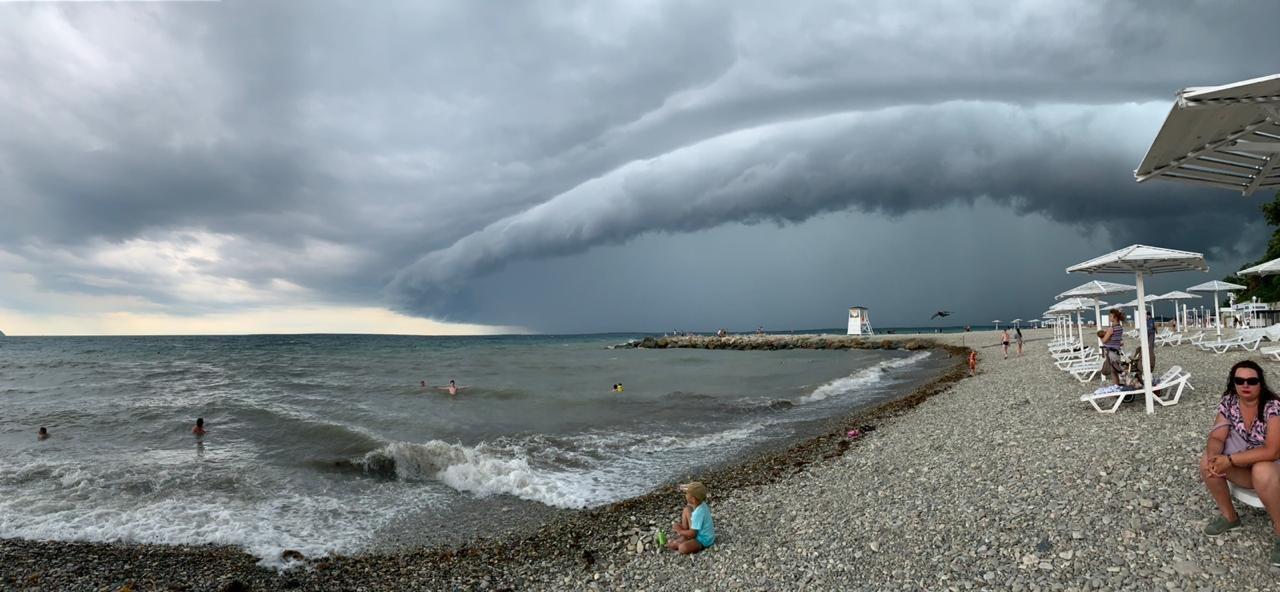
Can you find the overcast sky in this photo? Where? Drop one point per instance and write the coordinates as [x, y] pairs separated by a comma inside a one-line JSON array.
[[443, 167]]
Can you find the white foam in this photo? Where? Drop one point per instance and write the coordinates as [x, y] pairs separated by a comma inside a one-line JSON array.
[[175, 508], [621, 466], [861, 380]]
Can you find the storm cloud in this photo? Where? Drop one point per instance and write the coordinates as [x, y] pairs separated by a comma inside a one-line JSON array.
[[210, 156]]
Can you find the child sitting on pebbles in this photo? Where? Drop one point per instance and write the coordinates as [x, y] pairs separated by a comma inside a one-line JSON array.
[[694, 531]]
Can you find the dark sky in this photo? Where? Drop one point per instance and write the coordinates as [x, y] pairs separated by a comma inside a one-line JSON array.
[[597, 166]]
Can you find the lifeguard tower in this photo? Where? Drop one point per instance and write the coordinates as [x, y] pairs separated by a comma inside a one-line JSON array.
[[859, 322]]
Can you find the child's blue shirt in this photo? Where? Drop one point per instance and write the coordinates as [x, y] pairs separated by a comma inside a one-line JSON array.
[[700, 521]]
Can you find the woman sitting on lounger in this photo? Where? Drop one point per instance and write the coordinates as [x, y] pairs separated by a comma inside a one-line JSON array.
[[1243, 446]]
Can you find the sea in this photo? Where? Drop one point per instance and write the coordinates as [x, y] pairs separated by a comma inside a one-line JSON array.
[[325, 443]]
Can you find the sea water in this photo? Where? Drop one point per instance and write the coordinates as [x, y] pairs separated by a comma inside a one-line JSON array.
[[317, 442]]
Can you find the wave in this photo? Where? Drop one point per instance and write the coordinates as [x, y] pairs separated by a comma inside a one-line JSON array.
[[861, 380], [565, 472]]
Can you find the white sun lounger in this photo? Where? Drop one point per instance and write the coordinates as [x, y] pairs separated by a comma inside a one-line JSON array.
[[1169, 339], [1245, 495], [1086, 370], [1196, 339], [1173, 377], [1067, 362], [1249, 343], [1273, 351]]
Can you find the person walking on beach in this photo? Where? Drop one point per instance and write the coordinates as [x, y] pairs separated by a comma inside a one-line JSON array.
[[198, 430], [1017, 335], [1243, 446], [1004, 341], [694, 531], [973, 363]]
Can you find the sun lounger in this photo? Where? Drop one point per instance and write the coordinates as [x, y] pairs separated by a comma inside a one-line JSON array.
[[1249, 343], [1169, 339], [1074, 360], [1196, 339], [1245, 495], [1086, 370], [1173, 378], [1273, 351]]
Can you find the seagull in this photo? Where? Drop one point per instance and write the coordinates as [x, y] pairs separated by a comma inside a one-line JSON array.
[[941, 313]]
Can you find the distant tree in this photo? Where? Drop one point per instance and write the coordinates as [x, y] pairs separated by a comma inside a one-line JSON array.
[[1266, 288]]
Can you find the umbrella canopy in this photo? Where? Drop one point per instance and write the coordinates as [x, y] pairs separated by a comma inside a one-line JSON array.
[[1096, 288], [1271, 267], [1216, 286], [1141, 260], [1175, 296], [1134, 303], [1075, 304], [1220, 136]]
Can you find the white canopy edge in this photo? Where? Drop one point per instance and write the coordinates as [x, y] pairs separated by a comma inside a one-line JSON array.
[[1225, 136]]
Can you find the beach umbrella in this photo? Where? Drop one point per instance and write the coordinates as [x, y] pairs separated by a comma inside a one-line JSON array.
[[1175, 296], [1077, 305], [1015, 322], [1216, 286], [1220, 136], [1271, 267], [1141, 260], [1096, 288]]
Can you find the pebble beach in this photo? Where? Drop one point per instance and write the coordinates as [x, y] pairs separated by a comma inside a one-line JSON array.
[[1003, 481]]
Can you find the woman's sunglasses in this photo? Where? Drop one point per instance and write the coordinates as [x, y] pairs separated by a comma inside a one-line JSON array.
[[1251, 381]]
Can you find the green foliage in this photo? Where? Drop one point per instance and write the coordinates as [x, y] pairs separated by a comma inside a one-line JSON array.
[[1266, 288]]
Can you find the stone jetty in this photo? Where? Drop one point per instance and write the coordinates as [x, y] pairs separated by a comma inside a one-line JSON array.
[[775, 342]]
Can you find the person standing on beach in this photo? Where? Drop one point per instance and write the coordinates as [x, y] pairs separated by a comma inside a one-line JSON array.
[[1243, 446], [1017, 334], [1004, 341], [1112, 342]]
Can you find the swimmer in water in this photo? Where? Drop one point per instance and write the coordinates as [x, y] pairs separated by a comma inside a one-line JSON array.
[[453, 388], [43, 434], [199, 429]]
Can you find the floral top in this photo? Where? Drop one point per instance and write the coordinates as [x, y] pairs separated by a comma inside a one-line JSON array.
[[1230, 409]]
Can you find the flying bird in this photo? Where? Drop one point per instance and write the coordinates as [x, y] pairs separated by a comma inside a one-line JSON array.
[[941, 313]]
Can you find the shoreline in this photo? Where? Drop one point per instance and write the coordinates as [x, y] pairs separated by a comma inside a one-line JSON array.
[[582, 538]]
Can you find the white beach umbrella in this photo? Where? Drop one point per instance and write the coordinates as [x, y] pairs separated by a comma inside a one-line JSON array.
[[1175, 296], [1096, 288], [1271, 267], [1141, 260], [1221, 136], [1216, 286], [1077, 305]]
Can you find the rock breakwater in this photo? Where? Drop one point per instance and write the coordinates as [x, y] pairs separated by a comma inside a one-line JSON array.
[[776, 342]]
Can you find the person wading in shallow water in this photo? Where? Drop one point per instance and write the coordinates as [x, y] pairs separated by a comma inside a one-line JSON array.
[[198, 430]]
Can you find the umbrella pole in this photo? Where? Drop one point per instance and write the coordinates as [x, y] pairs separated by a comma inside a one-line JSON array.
[[1097, 318], [1217, 313], [1080, 327], [1146, 355]]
